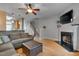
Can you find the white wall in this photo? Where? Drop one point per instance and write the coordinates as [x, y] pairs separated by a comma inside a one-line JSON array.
[[70, 28], [51, 31]]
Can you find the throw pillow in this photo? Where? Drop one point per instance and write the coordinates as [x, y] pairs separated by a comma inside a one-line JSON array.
[[1, 41], [5, 39]]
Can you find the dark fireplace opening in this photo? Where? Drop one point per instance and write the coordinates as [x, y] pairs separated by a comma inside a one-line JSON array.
[[66, 40]]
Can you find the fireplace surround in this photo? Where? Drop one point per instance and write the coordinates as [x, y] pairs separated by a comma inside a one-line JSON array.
[[66, 40], [74, 30]]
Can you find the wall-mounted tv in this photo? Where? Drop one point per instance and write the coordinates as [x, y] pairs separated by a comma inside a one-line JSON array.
[[67, 17]]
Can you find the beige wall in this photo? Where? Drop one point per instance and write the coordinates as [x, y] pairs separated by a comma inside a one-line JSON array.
[[2, 20]]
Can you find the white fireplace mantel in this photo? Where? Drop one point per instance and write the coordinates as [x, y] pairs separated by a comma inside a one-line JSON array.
[[75, 30]]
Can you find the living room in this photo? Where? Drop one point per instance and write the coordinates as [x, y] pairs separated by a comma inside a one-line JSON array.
[[37, 29]]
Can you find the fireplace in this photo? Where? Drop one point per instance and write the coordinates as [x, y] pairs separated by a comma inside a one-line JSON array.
[[66, 40]]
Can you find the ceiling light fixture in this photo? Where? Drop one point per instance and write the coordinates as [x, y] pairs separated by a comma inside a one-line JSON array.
[[29, 10]]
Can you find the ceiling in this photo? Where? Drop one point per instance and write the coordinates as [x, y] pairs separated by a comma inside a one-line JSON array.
[[46, 9]]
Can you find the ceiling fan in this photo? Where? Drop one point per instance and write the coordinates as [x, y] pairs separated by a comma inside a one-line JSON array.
[[30, 9]]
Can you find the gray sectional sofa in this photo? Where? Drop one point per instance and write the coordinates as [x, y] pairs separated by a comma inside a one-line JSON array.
[[6, 47], [12, 40], [18, 38]]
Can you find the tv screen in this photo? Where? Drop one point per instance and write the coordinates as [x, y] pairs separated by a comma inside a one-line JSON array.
[[67, 17]]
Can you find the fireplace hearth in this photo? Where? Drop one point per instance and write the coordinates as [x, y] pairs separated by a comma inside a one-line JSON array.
[[66, 40]]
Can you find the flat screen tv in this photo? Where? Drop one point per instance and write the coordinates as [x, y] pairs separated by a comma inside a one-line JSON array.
[[67, 17]]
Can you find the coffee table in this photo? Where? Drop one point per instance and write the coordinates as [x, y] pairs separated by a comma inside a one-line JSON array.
[[32, 48]]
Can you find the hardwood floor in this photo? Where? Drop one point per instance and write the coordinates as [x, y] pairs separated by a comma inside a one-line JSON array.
[[51, 48]]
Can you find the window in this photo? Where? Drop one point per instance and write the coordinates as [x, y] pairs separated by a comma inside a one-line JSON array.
[[9, 22]]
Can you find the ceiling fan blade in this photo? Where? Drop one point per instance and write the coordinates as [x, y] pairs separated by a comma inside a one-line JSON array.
[[36, 9], [34, 13], [30, 6]]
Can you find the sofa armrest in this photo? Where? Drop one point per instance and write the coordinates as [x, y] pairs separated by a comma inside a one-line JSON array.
[[7, 49], [6, 46]]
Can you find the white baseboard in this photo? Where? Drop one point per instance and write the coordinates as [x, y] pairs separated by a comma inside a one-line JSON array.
[[41, 38], [51, 39]]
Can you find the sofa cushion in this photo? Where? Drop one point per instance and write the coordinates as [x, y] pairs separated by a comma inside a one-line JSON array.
[[1, 41], [6, 46], [21, 40], [24, 35], [8, 52], [14, 36], [5, 39], [18, 42]]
